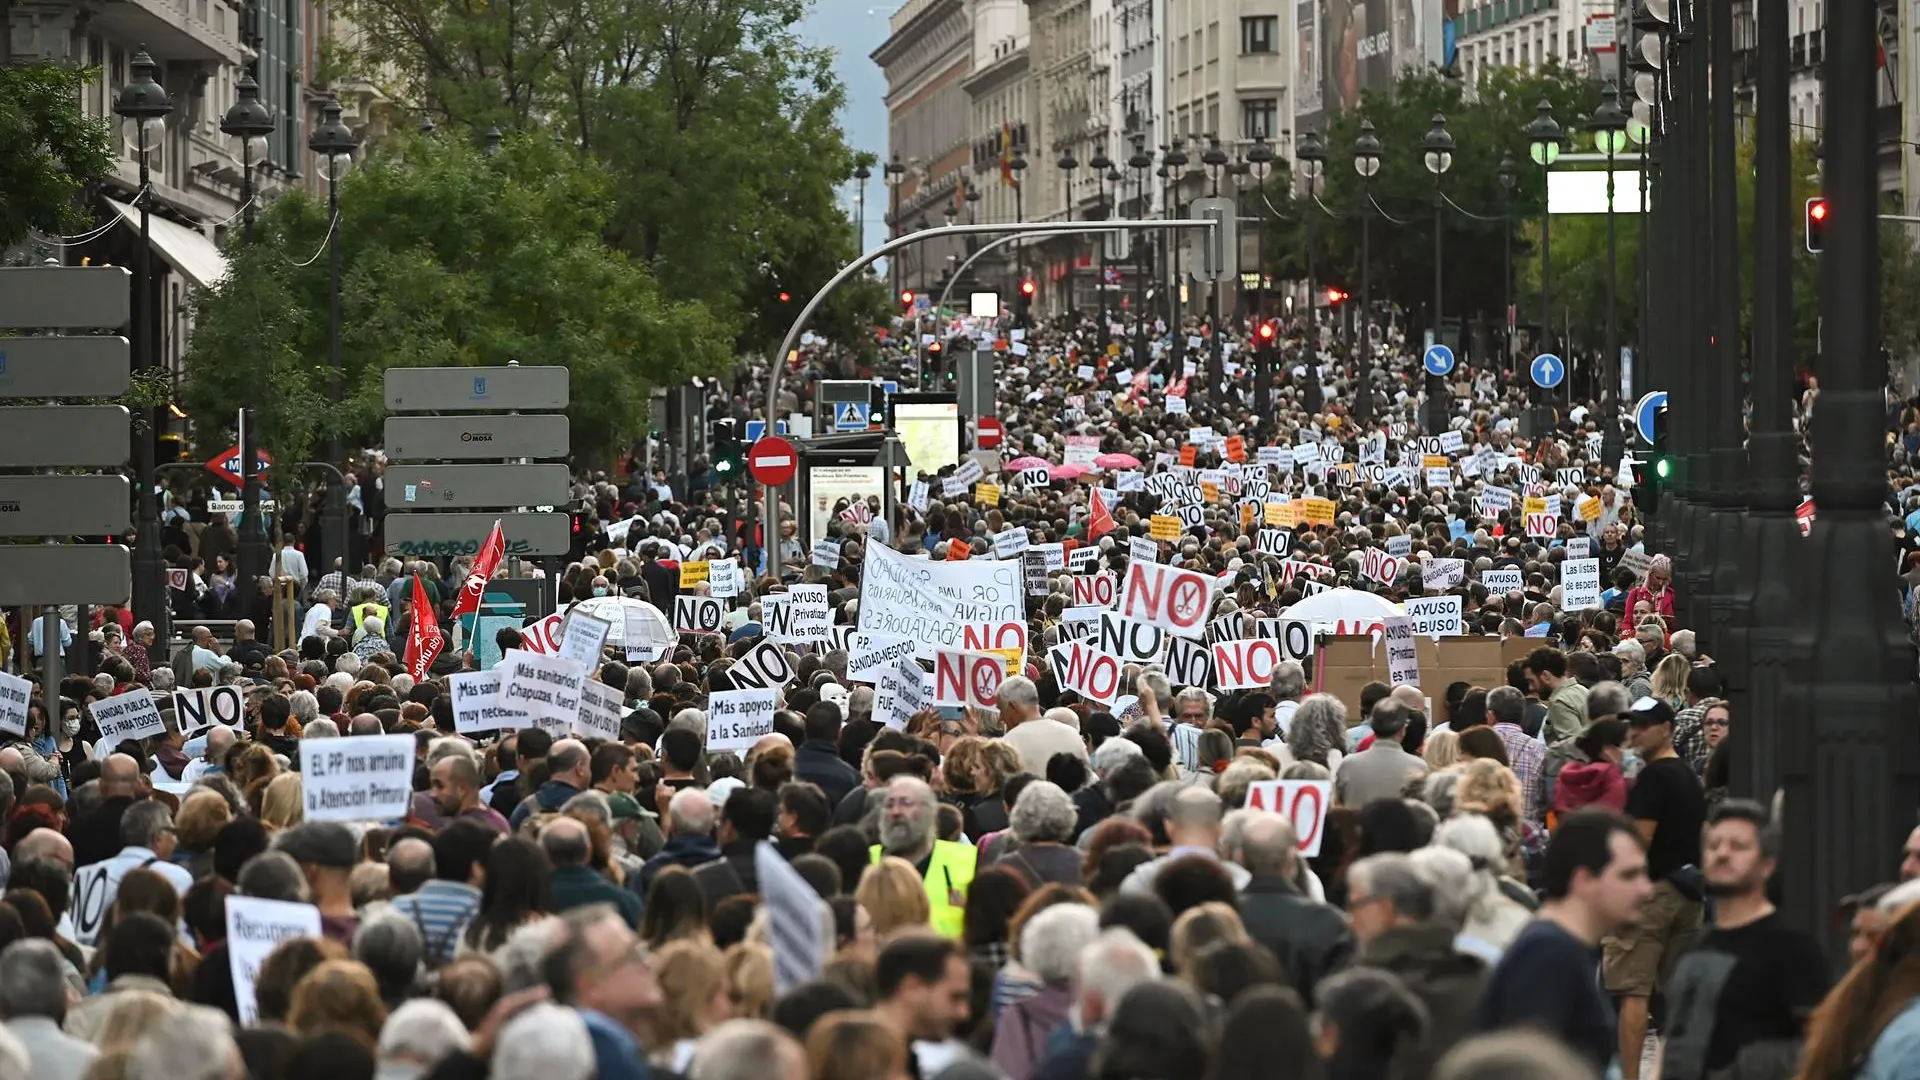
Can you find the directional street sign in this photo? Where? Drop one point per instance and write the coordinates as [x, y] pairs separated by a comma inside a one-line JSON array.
[[91, 436], [421, 536], [237, 506], [1644, 412], [64, 574], [1438, 360], [226, 464], [457, 487], [476, 389], [850, 416], [65, 297], [45, 367], [1218, 247], [1547, 371], [773, 461], [64, 505], [477, 438]]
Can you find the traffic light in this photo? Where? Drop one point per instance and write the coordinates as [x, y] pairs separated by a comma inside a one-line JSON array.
[[723, 447], [1654, 470], [786, 297], [1816, 223], [1027, 289], [906, 299], [1335, 296], [877, 405], [1265, 332]]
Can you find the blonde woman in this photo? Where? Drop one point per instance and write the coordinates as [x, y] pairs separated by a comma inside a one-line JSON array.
[[749, 967], [894, 897], [1442, 750], [1199, 927], [694, 1000], [853, 1045], [281, 805], [1670, 680]]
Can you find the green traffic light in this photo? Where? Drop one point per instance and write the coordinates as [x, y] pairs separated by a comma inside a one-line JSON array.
[[1663, 468]]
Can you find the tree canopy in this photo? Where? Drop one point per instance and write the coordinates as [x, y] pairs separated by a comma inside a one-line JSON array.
[[52, 149]]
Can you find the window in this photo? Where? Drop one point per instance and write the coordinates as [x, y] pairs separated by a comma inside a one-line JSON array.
[[1259, 118], [1258, 33]]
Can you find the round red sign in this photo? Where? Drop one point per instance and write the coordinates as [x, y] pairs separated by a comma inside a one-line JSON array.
[[773, 460], [991, 431]]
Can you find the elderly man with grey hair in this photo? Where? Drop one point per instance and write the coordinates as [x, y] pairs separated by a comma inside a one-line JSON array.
[[1289, 685], [1043, 823], [691, 819], [1193, 828], [193, 1043], [748, 1050], [1034, 737], [1310, 939], [1381, 770], [1397, 913], [1050, 947], [33, 995], [418, 1036]]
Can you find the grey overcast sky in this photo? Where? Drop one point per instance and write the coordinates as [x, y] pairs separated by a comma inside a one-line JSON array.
[[853, 29]]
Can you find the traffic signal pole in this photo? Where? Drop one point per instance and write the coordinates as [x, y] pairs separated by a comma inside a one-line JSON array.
[[778, 361]]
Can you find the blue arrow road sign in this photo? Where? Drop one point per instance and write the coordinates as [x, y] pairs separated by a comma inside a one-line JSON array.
[[757, 428], [850, 416], [1438, 360], [1547, 370], [1644, 412]]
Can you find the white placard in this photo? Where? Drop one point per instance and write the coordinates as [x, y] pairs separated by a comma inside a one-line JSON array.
[[1304, 802], [581, 639], [1579, 547], [899, 690], [545, 688], [1403, 654], [1143, 549], [724, 577], [1173, 599], [931, 601], [198, 709], [917, 495], [1134, 642], [1436, 616], [475, 704], [826, 553], [1010, 543], [812, 619], [254, 928], [599, 715], [871, 654], [1079, 560], [1401, 545], [1443, 573], [1579, 584], [705, 614], [363, 778], [765, 667], [967, 678], [15, 693], [1499, 582], [1244, 663], [131, 715], [736, 719]]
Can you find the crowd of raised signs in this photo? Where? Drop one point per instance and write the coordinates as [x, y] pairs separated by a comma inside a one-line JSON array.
[[1170, 737]]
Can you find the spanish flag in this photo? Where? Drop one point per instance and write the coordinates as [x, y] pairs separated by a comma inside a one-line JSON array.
[[1007, 175]]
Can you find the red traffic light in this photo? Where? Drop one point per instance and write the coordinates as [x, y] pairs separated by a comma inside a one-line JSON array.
[[1265, 331], [1817, 209], [1027, 287], [1816, 223], [933, 346], [1334, 296], [906, 297], [785, 296]]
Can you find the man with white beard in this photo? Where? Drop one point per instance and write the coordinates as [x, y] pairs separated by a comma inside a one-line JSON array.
[[907, 823]]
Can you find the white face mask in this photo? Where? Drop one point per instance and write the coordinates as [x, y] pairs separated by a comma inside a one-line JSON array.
[[71, 725]]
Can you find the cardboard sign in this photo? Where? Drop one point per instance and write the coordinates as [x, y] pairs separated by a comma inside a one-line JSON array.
[[1163, 527], [1093, 590], [599, 715], [1543, 526], [917, 495], [1035, 478], [899, 692], [476, 708], [736, 719], [1579, 547], [255, 927], [1315, 511], [724, 578], [1503, 581], [826, 553], [15, 694], [1079, 560], [1010, 543], [131, 715], [700, 614], [199, 709], [1174, 600], [931, 601], [1403, 656], [1588, 508], [1087, 671], [545, 689], [1008, 640], [1637, 561], [581, 639], [957, 551], [1303, 802], [1244, 663], [871, 654], [1443, 573], [1142, 549], [986, 494], [1401, 545], [765, 667], [1136, 643], [1436, 616], [1189, 663], [1275, 542], [967, 678], [365, 778], [812, 618], [1579, 584], [1382, 567], [692, 573]]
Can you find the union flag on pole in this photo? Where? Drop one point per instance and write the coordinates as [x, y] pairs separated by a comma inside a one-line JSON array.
[[1100, 519], [424, 640], [474, 585]]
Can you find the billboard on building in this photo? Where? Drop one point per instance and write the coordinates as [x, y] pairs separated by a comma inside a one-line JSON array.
[[1308, 55], [1368, 43]]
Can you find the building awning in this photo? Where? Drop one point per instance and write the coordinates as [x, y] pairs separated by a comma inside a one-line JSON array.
[[191, 254]]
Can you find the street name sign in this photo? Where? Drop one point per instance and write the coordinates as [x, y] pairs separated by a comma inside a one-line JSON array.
[[461, 487], [477, 389], [64, 505], [42, 436], [65, 297], [47, 367], [424, 536], [34, 574]]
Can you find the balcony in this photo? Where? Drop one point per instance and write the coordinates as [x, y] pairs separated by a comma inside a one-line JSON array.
[[181, 30]]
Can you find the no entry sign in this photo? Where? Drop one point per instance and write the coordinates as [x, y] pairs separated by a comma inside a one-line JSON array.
[[990, 432], [773, 460]]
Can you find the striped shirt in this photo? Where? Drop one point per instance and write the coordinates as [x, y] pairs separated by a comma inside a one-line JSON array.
[[440, 910]]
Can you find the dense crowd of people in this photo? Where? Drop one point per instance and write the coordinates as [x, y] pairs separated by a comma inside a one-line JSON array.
[[1535, 873]]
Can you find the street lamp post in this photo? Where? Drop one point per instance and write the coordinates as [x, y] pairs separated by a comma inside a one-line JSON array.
[[334, 143], [1173, 163], [1140, 162], [1543, 143], [249, 122], [1019, 167], [1258, 167], [896, 173], [860, 175], [1609, 127], [1509, 173], [1068, 163], [492, 141], [1437, 153], [1366, 162], [1214, 160], [1103, 175], [143, 106], [1311, 153]]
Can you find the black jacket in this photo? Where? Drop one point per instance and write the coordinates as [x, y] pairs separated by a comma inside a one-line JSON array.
[[732, 874], [1310, 939], [1448, 982], [818, 761]]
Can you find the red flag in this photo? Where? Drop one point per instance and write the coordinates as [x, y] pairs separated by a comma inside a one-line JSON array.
[[1100, 520], [474, 585], [423, 632]]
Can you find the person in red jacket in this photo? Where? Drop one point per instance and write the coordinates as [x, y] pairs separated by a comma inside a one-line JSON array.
[[1657, 589], [1597, 780]]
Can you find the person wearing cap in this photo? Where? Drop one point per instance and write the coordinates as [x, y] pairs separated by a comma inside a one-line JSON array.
[[1668, 808], [326, 852]]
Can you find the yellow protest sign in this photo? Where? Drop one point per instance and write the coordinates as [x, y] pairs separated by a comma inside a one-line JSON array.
[[1209, 491], [1533, 505], [1163, 527], [692, 573], [1315, 511], [1588, 508], [1011, 656], [1434, 461], [1279, 515], [1246, 515], [986, 494]]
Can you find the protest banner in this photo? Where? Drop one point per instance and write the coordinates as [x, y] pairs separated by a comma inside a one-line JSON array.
[[546, 689], [1085, 670], [1435, 616], [131, 715], [1303, 802], [15, 693], [765, 667], [1579, 547], [692, 574], [255, 927], [736, 719], [1502, 581], [931, 602], [1579, 584], [1244, 663], [1189, 663], [1275, 542], [600, 709], [899, 692], [1142, 549], [1134, 642], [1443, 573], [1174, 600], [870, 654], [1006, 639], [1403, 653], [1095, 590], [581, 639], [201, 708], [1009, 543], [365, 778], [475, 707], [724, 578], [812, 619], [701, 614], [967, 678], [826, 553]]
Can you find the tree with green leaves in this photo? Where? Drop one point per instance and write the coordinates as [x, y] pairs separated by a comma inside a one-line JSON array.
[[716, 122], [449, 258], [53, 149]]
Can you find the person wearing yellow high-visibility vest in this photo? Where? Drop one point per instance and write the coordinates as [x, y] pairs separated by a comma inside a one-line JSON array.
[[360, 613], [907, 830]]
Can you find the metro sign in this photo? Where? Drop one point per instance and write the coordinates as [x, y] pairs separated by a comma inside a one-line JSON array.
[[226, 466]]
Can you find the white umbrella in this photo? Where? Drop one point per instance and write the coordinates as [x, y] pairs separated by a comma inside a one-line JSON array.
[[617, 610], [1344, 611]]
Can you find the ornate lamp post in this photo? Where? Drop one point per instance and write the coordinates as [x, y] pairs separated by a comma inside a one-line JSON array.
[[1311, 153], [896, 174], [1609, 127], [1543, 143], [1509, 174], [1067, 164], [1366, 162], [248, 123], [860, 175], [1104, 176], [1436, 149], [334, 143], [1140, 162]]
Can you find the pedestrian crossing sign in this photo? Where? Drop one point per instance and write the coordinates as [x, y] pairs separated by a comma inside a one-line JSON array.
[[850, 416]]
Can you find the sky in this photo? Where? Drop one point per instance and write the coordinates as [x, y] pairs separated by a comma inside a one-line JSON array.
[[853, 29]]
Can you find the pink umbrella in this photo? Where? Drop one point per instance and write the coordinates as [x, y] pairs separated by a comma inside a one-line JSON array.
[[1065, 472], [1117, 461], [1028, 462]]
